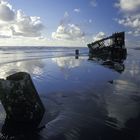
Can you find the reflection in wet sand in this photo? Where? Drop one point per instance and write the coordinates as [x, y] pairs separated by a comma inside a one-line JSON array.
[[66, 62], [33, 67], [85, 99]]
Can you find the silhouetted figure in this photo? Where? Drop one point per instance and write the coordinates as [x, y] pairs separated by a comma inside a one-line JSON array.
[[76, 54]]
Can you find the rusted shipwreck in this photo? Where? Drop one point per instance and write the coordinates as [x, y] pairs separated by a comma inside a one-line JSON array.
[[110, 47]]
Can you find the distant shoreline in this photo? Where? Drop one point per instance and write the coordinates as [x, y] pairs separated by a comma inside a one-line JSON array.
[[46, 46], [136, 48]]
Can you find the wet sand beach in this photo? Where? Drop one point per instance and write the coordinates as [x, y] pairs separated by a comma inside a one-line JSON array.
[[83, 99]]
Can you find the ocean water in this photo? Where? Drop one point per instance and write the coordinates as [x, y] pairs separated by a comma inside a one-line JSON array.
[[83, 99]]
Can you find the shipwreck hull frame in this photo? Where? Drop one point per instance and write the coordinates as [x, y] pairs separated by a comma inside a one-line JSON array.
[[115, 50]]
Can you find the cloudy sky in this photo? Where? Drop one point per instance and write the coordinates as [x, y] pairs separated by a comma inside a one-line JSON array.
[[67, 22]]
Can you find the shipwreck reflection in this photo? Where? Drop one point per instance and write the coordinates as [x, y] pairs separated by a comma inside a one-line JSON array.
[[115, 61], [23, 107]]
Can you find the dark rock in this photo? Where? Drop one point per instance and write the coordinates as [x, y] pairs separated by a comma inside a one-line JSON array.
[[21, 100]]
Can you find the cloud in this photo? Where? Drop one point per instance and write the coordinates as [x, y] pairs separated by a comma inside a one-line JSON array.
[[93, 3], [90, 20], [65, 19], [27, 26], [134, 32], [128, 5], [68, 32], [6, 12], [5, 36], [17, 23], [130, 21], [66, 14], [133, 22], [99, 36], [131, 16], [77, 10]]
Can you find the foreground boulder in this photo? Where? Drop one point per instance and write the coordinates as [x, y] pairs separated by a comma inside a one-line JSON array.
[[21, 100]]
